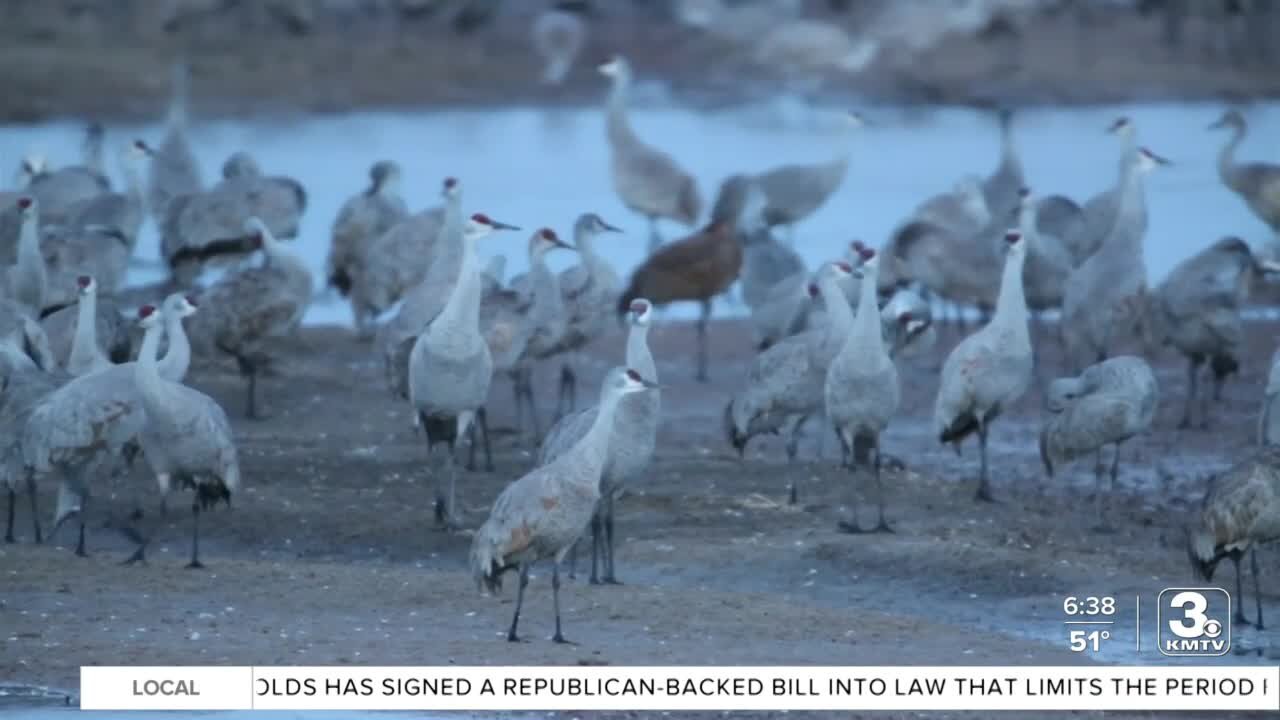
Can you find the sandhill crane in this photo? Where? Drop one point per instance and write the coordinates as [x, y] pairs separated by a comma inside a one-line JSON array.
[[254, 304], [545, 322], [647, 180], [450, 367], [1099, 214], [118, 213], [1258, 184], [86, 424], [631, 441], [765, 264], [63, 190], [27, 281], [1269, 418], [794, 192], [1048, 260], [199, 224], [23, 383], [861, 390], [989, 370], [186, 436], [785, 383], [1240, 512], [1107, 404], [543, 513], [69, 253], [557, 37], [962, 209], [417, 259], [1102, 297], [698, 267], [174, 169], [86, 355], [111, 333], [362, 219], [1197, 308], [588, 290], [1000, 189]]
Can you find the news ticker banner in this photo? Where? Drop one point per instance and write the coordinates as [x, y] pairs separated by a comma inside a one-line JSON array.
[[1216, 687]]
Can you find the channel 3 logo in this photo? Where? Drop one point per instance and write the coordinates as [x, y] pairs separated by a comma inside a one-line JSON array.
[[1194, 621]]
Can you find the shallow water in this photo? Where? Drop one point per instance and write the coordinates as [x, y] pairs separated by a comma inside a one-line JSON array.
[[543, 167]]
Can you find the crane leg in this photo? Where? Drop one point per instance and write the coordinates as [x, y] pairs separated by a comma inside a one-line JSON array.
[[1257, 585], [703, 319], [882, 525], [609, 577], [1193, 371], [519, 400], [555, 602], [35, 511], [515, 619], [573, 559], [984, 479], [195, 563], [527, 386], [655, 239], [1238, 616], [445, 507], [850, 525], [478, 432], [567, 398], [595, 546]]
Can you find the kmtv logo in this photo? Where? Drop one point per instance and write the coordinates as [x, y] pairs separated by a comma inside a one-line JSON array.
[[1194, 621]]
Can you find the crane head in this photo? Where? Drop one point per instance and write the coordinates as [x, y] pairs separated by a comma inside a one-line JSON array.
[[147, 316], [1121, 126], [641, 311], [26, 203], [1148, 160], [85, 284], [1230, 119]]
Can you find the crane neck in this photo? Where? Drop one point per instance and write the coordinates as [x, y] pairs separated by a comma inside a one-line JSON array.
[[84, 344], [146, 373], [177, 358], [462, 308], [639, 357], [176, 118], [1011, 303], [32, 286], [1227, 157], [839, 314], [545, 287], [591, 452], [867, 332]]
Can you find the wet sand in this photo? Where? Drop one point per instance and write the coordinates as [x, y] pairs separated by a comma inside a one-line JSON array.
[[329, 555]]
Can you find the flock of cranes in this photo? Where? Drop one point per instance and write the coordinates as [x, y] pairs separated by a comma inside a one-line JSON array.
[[82, 399]]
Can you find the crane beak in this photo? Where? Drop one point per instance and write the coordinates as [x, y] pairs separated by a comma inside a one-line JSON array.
[[562, 244], [610, 228], [1217, 124], [502, 226]]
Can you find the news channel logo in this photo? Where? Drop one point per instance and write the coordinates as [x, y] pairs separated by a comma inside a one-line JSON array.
[[1194, 622]]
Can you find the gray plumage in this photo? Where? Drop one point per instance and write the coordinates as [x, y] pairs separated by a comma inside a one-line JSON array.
[[794, 192], [1196, 309], [22, 386], [113, 213], [647, 180], [450, 367], [185, 437], [632, 439], [785, 382], [557, 37], [1102, 298], [26, 281], [1269, 418], [1107, 404], [1049, 262], [588, 291], [112, 335], [989, 370], [1258, 184], [766, 262], [247, 308], [544, 512], [198, 224], [362, 221], [1241, 510], [417, 260], [174, 170], [1099, 214], [24, 335], [1000, 189], [959, 266], [62, 192], [82, 428], [75, 252], [861, 390], [86, 355]]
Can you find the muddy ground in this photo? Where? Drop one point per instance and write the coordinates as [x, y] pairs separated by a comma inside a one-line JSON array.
[[329, 555], [110, 60]]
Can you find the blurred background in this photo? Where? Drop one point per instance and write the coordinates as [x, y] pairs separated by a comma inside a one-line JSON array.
[[111, 57]]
